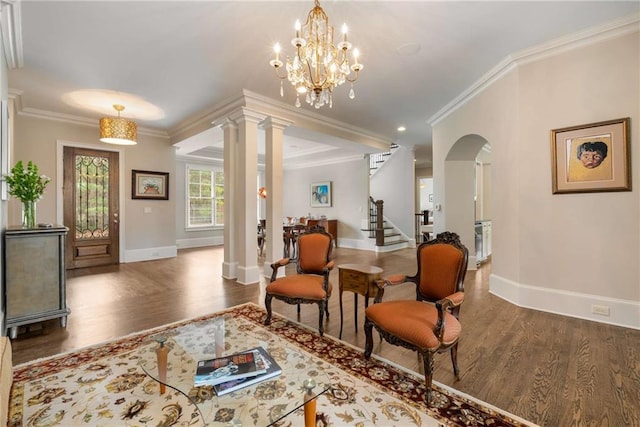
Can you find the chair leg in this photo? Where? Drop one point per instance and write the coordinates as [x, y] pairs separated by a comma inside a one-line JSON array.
[[298, 311], [321, 308], [454, 360], [267, 304], [368, 332], [427, 360]]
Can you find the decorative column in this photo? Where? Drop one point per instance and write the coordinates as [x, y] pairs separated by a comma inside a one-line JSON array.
[[246, 203], [274, 131], [230, 263]]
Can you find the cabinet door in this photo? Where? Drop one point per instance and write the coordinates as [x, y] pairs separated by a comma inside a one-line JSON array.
[[32, 275]]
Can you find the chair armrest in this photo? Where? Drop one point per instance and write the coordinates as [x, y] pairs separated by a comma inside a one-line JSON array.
[[276, 265], [455, 299], [395, 279], [392, 280], [329, 266], [443, 306]]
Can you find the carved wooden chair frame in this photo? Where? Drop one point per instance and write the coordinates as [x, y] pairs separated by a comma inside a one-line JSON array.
[[323, 304]]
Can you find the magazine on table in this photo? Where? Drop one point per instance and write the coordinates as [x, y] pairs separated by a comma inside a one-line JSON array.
[[272, 371], [235, 366]]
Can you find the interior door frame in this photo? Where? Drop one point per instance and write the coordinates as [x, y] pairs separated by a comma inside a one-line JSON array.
[[60, 144]]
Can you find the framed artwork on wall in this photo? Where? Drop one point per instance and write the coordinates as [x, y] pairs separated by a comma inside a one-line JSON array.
[[591, 158], [321, 194], [149, 185]]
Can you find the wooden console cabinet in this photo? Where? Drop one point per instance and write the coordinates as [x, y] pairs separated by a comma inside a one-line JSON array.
[[330, 225], [34, 276]]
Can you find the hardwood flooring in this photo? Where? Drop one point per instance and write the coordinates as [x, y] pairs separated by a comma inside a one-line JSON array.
[[546, 368]]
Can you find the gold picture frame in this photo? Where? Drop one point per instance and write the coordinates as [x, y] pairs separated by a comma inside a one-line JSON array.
[[591, 158]]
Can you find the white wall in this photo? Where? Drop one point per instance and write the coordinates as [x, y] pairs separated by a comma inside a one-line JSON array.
[[4, 89], [147, 235], [425, 188], [394, 182], [350, 189], [559, 253]]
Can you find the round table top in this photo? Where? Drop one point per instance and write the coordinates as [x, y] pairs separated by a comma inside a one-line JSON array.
[[362, 268]]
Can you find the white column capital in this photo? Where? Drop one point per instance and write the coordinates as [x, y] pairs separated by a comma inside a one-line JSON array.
[[225, 123], [244, 114], [275, 122]]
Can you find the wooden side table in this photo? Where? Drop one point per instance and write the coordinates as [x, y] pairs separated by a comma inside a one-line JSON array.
[[359, 279]]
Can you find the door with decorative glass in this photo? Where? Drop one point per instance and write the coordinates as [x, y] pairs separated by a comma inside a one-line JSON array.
[[91, 208]]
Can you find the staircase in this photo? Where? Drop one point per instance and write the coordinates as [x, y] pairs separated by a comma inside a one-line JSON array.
[[386, 236], [376, 160]]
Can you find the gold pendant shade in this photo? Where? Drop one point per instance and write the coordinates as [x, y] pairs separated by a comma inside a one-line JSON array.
[[118, 130]]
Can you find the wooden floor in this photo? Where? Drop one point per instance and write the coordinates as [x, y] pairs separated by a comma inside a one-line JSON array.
[[548, 369]]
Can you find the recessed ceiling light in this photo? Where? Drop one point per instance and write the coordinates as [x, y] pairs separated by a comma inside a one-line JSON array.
[[401, 128]]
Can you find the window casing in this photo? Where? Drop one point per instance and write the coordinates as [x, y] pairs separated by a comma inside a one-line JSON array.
[[205, 197]]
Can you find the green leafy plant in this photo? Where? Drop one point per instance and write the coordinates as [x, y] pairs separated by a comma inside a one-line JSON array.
[[26, 184]]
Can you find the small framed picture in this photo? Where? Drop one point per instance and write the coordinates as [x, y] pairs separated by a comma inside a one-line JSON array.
[[321, 194], [592, 157], [149, 185]]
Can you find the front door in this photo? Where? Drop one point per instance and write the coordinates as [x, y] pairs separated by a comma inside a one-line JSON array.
[[91, 210]]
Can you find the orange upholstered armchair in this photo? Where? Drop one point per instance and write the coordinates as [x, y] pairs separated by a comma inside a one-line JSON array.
[[311, 285], [430, 323]]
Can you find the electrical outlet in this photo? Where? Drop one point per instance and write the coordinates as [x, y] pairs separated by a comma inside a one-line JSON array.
[[603, 310]]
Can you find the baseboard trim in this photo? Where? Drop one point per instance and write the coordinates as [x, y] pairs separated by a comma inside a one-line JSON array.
[[200, 242], [623, 313], [148, 254]]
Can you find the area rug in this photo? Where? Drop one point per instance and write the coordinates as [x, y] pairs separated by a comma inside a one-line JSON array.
[[104, 385]]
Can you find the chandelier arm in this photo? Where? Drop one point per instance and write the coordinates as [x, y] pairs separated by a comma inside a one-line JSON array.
[[352, 80], [278, 73]]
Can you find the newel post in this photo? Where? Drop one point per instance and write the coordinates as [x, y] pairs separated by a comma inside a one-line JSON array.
[[379, 223]]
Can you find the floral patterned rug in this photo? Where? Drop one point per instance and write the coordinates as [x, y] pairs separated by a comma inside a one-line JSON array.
[[104, 385]]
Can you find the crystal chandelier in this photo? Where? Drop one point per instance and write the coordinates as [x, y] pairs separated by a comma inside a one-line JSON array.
[[318, 66]]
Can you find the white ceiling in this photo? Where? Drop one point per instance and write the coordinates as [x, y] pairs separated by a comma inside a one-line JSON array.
[[168, 61]]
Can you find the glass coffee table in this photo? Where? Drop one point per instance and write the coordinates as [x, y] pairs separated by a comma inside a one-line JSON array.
[[266, 402]]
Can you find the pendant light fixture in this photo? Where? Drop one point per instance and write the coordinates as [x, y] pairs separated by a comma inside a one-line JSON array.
[[118, 130], [319, 63]]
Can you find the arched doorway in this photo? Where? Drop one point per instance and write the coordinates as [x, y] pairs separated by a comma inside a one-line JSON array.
[[461, 188]]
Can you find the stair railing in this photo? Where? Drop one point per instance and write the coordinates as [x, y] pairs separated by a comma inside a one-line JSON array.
[[376, 218], [377, 159]]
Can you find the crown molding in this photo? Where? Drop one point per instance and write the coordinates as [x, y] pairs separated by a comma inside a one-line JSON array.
[[321, 162], [590, 36], [21, 110], [11, 26], [280, 111]]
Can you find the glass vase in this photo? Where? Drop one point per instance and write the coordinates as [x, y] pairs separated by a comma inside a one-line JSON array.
[[29, 214]]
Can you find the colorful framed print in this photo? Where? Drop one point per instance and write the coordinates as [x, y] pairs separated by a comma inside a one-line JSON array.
[[321, 194], [591, 158]]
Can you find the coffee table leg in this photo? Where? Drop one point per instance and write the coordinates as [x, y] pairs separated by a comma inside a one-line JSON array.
[[310, 405], [161, 354]]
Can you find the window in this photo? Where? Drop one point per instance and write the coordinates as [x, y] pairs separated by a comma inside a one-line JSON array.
[[205, 194]]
